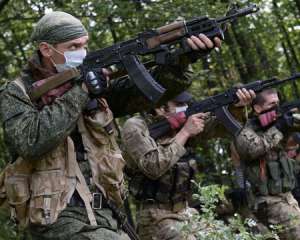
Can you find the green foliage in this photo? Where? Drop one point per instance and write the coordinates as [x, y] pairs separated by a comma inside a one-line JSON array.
[[256, 47], [206, 226]]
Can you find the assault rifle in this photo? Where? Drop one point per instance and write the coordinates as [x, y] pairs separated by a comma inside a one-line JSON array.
[[166, 44], [218, 104], [288, 106]]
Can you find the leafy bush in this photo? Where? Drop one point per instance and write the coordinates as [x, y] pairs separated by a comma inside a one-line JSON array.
[[206, 225]]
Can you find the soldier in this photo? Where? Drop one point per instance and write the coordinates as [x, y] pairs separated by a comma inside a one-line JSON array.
[[267, 166], [292, 149], [160, 174], [66, 174]]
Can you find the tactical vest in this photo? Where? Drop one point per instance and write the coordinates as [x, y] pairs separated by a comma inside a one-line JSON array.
[[174, 186], [38, 190], [272, 177], [273, 173]]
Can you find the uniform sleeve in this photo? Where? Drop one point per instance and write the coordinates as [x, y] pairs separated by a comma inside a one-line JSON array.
[[151, 158], [251, 145], [30, 132], [125, 98]]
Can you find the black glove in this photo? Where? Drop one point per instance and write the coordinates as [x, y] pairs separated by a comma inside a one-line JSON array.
[[284, 122], [95, 83]]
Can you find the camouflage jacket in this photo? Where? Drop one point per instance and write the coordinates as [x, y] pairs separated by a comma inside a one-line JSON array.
[[161, 163], [267, 166], [30, 132]]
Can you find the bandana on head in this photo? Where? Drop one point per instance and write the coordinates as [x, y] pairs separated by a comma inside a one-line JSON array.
[[58, 27]]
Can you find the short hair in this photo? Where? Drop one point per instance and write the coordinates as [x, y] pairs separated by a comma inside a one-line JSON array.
[[260, 97]]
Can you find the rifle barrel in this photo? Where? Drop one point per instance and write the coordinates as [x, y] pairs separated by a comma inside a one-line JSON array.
[[280, 82], [253, 8]]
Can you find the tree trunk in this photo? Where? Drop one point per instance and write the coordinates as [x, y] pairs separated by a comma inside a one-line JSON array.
[[238, 63], [263, 58], [112, 29], [292, 70], [245, 47], [297, 2], [280, 23], [218, 57]]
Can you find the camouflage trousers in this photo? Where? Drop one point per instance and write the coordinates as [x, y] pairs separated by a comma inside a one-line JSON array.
[[73, 224], [280, 211], [163, 222]]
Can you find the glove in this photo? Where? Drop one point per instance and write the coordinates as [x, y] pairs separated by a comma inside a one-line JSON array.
[[284, 122], [95, 83]]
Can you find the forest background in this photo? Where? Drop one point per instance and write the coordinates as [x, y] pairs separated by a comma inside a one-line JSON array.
[[256, 47]]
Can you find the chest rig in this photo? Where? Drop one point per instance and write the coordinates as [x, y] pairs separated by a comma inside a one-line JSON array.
[[174, 186]]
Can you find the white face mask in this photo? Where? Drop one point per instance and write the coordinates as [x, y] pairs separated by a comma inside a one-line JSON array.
[[181, 109], [72, 59]]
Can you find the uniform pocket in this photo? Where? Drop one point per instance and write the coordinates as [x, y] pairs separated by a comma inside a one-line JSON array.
[[17, 190], [260, 186], [274, 183], [46, 189], [110, 172], [288, 179]]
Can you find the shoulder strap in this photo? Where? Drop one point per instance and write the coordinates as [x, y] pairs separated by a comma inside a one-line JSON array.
[[81, 185]]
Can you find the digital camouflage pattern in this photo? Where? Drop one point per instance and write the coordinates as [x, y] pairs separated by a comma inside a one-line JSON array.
[[32, 132], [271, 175], [73, 223]]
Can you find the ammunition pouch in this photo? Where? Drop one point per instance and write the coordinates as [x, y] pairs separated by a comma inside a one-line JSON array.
[[174, 186], [280, 176]]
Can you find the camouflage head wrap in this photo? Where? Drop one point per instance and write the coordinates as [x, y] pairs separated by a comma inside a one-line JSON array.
[[58, 27]]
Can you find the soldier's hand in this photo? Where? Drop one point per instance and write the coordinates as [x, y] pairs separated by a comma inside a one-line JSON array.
[[202, 42], [194, 124], [245, 97], [96, 82]]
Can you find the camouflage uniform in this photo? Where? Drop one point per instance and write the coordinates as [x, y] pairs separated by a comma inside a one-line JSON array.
[[37, 139], [271, 175], [160, 178]]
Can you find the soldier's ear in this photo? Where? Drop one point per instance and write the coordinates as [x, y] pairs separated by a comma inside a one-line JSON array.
[[257, 108], [45, 50], [160, 110]]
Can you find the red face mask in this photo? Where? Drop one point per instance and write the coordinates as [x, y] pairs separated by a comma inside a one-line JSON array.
[[267, 118], [292, 153]]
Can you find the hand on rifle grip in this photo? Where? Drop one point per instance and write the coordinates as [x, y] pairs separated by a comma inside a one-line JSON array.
[[96, 83]]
